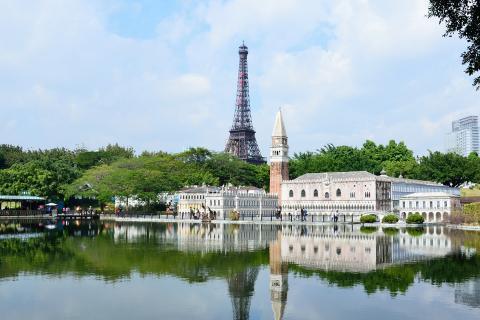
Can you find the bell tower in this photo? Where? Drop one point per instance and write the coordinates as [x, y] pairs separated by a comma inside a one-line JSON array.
[[278, 156]]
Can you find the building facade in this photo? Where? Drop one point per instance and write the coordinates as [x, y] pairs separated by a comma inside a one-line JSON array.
[[194, 199], [345, 193], [464, 137], [278, 156], [402, 187], [249, 202], [433, 206]]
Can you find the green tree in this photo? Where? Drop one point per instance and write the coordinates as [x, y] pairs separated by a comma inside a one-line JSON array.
[[461, 17], [447, 168], [10, 155], [47, 173], [29, 177], [395, 157], [112, 152], [229, 169]]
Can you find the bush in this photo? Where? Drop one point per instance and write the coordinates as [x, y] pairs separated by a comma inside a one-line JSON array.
[[368, 218], [390, 218], [471, 214], [472, 208], [458, 217], [415, 218], [390, 231], [415, 232], [234, 215], [368, 230]]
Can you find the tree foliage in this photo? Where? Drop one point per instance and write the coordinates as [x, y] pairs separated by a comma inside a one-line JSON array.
[[46, 172], [395, 158], [448, 168], [152, 173], [112, 152], [114, 170], [461, 17]]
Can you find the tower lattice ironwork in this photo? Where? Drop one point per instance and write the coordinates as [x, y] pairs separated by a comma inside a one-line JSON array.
[[242, 142]]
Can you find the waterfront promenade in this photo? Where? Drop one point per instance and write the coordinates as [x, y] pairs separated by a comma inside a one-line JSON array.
[[276, 222], [169, 219]]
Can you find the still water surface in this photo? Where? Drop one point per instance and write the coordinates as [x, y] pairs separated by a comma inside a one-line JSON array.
[[113, 270]]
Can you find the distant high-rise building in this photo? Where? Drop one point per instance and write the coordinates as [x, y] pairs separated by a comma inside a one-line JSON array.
[[242, 142], [464, 137]]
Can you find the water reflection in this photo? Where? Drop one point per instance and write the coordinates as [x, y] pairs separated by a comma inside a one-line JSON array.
[[468, 293], [379, 260], [278, 278]]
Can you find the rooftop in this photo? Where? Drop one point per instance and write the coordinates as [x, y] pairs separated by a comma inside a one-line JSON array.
[[393, 179], [429, 195], [200, 189], [353, 175], [21, 198], [279, 127], [336, 175], [214, 189]]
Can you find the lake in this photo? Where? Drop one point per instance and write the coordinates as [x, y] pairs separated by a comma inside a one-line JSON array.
[[113, 270]]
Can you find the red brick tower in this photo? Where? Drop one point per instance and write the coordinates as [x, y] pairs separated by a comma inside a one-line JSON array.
[[278, 157]]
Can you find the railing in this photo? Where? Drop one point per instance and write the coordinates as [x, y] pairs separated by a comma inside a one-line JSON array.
[[22, 213], [141, 214], [44, 213], [344, 218]]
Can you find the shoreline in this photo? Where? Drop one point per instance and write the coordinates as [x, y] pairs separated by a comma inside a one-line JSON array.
[[256, 221], [285, 222]]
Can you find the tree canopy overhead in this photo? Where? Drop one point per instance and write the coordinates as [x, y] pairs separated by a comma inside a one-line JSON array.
[[462, 17]]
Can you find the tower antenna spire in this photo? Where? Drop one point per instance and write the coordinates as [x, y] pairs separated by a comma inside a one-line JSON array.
[[242, 142]]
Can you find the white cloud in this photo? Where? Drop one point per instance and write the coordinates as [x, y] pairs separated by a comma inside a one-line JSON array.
[[343, 71]]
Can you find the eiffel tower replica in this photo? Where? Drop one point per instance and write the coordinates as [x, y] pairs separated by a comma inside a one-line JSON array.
[[242, 142]]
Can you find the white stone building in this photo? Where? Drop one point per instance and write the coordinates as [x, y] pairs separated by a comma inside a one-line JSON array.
[[433, 206], [250, 202], [348, 194], [402, 187], [193, 199]]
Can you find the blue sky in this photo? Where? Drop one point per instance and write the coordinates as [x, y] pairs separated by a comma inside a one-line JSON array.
[[161, 75]]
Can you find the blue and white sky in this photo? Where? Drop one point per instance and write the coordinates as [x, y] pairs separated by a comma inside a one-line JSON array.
[[161, 75]]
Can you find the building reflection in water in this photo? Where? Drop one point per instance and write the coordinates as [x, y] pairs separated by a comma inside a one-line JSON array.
[[200, 237], [278, 278], [205, 238], [325, 248]]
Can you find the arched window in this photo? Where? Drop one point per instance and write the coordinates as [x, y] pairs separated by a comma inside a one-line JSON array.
[[315, 193], [290, 194], [339, 193], [327, 195], [302, 194]]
